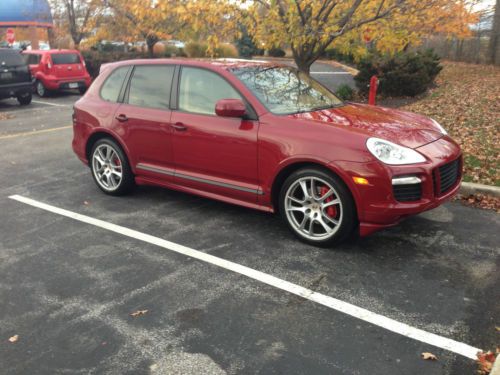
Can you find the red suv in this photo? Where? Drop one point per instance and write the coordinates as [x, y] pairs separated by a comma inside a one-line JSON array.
[[264, 136], [57, 70]]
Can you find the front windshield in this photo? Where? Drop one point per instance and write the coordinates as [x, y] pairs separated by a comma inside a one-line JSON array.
[[285, 90]]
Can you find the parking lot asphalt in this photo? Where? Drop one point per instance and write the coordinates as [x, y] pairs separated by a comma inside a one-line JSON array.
[[68, 288]]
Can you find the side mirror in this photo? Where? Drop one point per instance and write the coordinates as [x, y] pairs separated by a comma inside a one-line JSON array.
[[230, 108]]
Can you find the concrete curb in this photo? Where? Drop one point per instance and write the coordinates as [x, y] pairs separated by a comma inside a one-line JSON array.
[[352, 71], [496, 366], [469, 188]]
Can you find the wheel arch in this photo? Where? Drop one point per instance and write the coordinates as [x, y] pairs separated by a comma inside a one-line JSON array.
[[100, 134], [288, 169]]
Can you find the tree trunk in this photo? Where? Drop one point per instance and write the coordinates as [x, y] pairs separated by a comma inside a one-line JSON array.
[[494, 47], [151, 40], [303, 60]]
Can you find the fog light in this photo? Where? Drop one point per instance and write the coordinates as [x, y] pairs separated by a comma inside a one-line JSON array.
[[360, 180]]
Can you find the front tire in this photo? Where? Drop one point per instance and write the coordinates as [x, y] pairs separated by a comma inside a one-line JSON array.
[[24, 99], [317, 207], [110, 167]]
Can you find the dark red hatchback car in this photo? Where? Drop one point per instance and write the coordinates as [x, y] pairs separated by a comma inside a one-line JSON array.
[[263, 136]]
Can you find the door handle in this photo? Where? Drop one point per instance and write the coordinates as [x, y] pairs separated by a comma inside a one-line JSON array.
[[179, 126], [122, 118]]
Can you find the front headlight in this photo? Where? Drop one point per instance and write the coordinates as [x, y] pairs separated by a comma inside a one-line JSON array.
[[438, 125], [391, 153]]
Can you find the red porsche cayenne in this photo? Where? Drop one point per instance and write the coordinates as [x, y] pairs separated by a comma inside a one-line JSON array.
[[263, 136]]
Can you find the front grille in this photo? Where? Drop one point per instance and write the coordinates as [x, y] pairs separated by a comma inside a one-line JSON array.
[[448, 176], [407, 193]]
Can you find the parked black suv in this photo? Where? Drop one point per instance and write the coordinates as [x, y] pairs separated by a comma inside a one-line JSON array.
[[15, 77]]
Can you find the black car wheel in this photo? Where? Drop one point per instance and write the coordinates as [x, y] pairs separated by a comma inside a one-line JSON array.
[[24, 99]]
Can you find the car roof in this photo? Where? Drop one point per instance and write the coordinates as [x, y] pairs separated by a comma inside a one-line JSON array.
[[224, 64]]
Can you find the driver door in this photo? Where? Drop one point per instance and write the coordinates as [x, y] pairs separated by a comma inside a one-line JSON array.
[[211, 153]]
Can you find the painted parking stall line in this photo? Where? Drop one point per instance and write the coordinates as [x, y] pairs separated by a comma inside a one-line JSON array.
[[331, 302], [25, 134], [52, 104]]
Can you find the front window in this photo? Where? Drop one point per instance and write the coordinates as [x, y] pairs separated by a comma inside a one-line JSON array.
[[201, 89], [285, 90]]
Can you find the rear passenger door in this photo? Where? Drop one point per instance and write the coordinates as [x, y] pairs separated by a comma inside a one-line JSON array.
[[144, 120]]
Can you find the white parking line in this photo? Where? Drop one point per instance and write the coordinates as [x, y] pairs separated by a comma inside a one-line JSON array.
[[333, 303], [326, 73], [53, 104]]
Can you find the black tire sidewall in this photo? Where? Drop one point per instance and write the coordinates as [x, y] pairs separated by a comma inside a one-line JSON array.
[[127, 181], [44, 94], [24, 100], [349, 219]]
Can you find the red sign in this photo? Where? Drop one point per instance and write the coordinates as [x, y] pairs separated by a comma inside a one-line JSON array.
[[10, 36]]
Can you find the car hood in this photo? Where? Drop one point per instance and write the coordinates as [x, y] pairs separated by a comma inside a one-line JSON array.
[[404, 128]]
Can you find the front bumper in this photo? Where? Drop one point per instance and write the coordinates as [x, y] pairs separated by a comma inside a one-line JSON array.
[[64, 83], [376, 202]]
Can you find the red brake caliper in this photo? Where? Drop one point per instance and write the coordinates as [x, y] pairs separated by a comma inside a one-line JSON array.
[[330, 210]]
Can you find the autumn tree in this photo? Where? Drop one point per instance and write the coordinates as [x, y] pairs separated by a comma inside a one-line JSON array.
[[153, 20], [76, 16], [309, 27]]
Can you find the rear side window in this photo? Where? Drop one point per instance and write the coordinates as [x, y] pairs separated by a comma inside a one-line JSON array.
[[10, 58], [113, 84], [150, 86], [65, 58]]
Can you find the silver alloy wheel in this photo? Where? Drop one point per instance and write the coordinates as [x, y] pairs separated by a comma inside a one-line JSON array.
[[107, 167], [313, 208], [40, 89]]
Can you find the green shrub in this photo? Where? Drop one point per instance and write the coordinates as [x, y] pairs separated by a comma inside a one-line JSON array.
[[199, 49], [226, 50], [345, 92], [173, 51], [276, 52], [245, 44], [405, 74], [196, 49]]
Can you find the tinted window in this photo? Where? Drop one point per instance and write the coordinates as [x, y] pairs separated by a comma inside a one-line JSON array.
[[65, 58], [10, 58], [285, 90], [33, 59], [113, 84], [200, 89], [150, 86]]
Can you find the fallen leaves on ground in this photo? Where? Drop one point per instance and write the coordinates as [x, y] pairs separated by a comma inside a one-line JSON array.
[[429, 356], [138, 313], [466, 101], [486, 202], [5, 116], [485, 361], [14, 338]]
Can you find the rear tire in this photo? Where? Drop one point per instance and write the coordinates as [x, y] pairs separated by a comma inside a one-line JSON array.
[[25, 99], [82, 90], [317, 207], [110, 167], [40, 89]]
